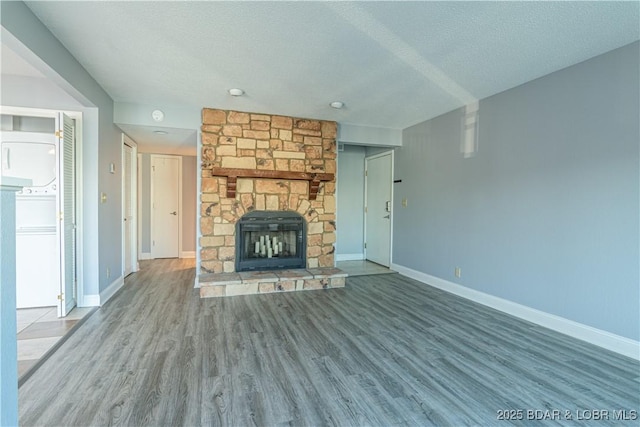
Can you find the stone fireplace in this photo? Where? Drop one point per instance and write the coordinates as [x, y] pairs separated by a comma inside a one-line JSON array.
[[254, 165]]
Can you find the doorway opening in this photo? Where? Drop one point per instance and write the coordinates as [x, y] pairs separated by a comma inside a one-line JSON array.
[[41, 146]]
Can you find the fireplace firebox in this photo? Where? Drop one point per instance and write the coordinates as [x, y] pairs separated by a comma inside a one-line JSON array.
[[270, 240]]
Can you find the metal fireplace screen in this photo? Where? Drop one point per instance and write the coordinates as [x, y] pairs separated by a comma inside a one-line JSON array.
[[270, 240]]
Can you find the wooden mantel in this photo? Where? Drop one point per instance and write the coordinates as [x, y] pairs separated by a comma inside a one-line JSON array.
[[233, 174]]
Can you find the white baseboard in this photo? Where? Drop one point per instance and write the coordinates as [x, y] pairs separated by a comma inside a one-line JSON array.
[[145, 255], [349, 257], [188, 254], [106, 294], [613, 342], [90, 301]]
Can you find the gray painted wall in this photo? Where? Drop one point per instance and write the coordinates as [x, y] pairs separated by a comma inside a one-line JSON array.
[[350, 209], [189, 195], [546, 213]]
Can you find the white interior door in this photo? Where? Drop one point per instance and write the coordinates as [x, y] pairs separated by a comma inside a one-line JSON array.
[[67, 218], [127, 208], [378, 184], [166, 173]]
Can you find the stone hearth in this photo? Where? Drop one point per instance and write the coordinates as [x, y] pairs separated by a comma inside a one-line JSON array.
[[248, 282], [260, 162]]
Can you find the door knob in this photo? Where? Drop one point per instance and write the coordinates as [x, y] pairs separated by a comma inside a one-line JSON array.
[[173, 213]]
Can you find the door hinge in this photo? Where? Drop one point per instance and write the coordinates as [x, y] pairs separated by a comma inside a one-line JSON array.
[[365, 209], [60, 216], [366, 173], [365, 246], [59, 134], [60, 297]]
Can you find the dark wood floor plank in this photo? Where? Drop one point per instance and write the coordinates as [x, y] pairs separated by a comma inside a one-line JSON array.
[[385, 350]]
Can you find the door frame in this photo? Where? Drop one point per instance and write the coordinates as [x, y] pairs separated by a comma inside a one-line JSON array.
[[146, 255], [152, 200], [126, 140], [77, 116], [366, 205]]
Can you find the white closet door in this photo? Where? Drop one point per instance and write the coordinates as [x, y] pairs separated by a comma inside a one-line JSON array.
[[67, 218]]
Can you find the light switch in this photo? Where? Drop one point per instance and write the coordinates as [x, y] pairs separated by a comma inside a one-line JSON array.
[[404, 202], [103, 197]]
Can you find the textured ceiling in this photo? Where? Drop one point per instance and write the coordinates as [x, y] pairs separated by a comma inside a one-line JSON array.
[[393, 64]]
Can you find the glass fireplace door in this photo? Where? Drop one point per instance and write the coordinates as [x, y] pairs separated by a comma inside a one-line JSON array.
[[267, 242]]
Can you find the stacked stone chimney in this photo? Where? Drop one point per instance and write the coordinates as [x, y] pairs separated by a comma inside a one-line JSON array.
[[233, 140]]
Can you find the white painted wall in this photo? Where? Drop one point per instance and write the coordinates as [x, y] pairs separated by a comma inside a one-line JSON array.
[[24, 91], [140, 114]]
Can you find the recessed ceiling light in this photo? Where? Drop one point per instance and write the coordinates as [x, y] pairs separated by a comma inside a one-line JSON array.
[[160, 132], [236, 92], [337, 105]]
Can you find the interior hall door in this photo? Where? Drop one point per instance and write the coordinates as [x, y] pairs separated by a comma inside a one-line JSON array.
[[378, 202], [166, 173]]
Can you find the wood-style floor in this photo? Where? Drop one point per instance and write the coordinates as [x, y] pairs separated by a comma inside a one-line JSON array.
[[385, 350]]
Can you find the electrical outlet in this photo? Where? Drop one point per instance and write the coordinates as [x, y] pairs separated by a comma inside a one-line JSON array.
[[458, 272], [404, 202], [108, 272]]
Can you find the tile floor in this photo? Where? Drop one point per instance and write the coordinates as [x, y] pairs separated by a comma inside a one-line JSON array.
[[362, 268], [39, 329]]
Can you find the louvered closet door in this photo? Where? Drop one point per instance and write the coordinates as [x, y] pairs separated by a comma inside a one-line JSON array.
[[67, 209]]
